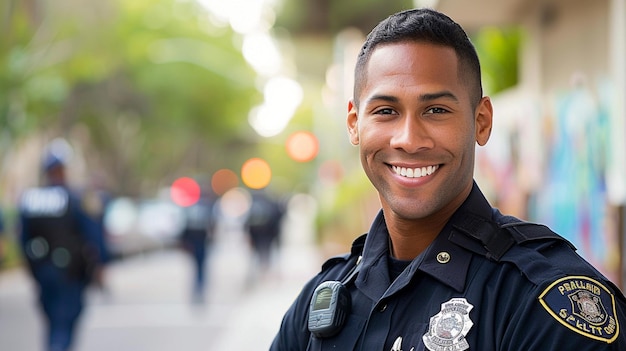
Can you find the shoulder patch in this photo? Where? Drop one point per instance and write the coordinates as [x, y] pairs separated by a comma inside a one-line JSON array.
[[583, 305]]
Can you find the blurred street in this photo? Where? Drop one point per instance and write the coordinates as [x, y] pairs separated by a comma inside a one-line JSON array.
[[147, 302]]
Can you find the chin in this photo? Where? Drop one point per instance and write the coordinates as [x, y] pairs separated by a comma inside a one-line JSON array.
[[411, 212]]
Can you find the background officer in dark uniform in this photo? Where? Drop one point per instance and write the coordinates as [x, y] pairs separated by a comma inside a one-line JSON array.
[[263, 226], [197, 237], [61, 245], [3, 244], [440, 269]]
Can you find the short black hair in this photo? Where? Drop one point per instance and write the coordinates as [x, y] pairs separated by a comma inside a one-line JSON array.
[[428, 26]]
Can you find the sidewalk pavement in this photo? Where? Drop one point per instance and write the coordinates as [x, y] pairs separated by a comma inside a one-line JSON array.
[[147, 303]]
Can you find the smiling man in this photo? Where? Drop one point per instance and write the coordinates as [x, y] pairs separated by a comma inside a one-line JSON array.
[[440, 269]]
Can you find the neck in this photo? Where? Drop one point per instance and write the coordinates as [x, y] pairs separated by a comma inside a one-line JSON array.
[[410, 238]]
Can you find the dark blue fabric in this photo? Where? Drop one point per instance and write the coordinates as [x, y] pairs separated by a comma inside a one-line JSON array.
[[61, 299], [61, 287], [506, 313], [196, 238]]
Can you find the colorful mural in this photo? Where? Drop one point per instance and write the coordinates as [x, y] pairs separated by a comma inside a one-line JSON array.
[[570, 195], [573, 197]]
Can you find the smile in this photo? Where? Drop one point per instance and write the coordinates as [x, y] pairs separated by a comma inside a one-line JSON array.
[[415, 172]]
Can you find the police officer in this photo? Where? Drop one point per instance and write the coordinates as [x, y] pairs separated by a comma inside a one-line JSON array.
[[196, 238], [2, 239], [61, 246], [263, 226], [440, 269]]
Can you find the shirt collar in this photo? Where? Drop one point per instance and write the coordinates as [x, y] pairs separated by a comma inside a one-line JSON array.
[[443, 260]]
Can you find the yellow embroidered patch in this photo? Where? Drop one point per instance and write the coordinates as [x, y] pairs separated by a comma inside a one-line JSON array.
[[583, 305]]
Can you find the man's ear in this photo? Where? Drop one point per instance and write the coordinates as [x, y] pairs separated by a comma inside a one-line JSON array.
[[483, 116], [353, 123]]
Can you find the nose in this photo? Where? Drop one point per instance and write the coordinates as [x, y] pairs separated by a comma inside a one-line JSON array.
[[411, 135]]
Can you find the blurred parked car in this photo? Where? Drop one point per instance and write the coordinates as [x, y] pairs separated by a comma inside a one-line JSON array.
[[140, 225]]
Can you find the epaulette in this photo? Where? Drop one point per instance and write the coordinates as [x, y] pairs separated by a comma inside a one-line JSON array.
[[578, 297], [494, 239]]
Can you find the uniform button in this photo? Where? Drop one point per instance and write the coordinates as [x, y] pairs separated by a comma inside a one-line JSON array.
[[382, 308], [443, 257]]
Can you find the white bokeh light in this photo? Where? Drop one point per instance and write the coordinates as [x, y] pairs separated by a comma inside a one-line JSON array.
[[253, 19], [261, 52], [244, 16], [282, 96]]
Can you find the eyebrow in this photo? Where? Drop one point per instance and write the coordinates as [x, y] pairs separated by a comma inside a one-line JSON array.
[[438, 95], [423, 97], [387, 98]]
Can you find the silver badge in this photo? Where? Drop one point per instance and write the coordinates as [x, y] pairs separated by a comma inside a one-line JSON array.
[[448, 328], [397, 345]]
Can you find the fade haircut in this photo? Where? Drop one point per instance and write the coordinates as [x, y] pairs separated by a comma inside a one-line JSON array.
[[426, 26]]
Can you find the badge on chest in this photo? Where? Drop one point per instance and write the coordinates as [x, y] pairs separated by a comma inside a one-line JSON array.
[[448, 328]]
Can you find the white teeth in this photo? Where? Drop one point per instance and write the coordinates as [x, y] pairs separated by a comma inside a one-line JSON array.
[[415, 172]]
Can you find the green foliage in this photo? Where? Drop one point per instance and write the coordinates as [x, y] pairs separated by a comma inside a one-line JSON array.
[[10, 255], [153, 83], [157, 89], [498, 49]]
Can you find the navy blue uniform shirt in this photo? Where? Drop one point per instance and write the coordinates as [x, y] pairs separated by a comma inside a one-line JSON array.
[[478, 286], [56, 230]]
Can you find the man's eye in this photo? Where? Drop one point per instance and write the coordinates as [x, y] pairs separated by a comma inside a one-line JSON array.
[[436, 110], [384, 111]]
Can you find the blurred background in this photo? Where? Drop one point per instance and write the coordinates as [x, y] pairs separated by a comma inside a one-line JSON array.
[[158, 99]]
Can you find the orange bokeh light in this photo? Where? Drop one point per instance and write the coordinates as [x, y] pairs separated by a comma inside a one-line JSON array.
[[256, 173], [302, 146], [223, 180]]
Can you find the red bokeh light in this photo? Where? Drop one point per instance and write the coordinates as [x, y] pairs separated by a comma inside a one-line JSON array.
[[185, 191]]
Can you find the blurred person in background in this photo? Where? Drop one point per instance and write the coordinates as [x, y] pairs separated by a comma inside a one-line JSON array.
[[62, 246], [263, 225], [196, 239], [440, 269], [95, 201], [3, 245]]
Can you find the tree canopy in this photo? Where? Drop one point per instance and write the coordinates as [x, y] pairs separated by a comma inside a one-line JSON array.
[[151, 86], [155, 88]]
